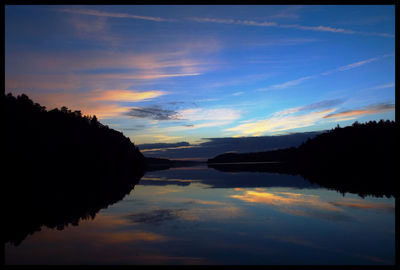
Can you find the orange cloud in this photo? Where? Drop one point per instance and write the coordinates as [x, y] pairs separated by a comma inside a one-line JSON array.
[[372, 109], [99, 103], [124, 95]]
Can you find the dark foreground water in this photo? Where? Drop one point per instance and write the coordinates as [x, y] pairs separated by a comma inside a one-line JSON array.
[[198, 215]]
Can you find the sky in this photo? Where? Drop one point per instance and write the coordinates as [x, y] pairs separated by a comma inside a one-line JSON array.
[[170, 74]]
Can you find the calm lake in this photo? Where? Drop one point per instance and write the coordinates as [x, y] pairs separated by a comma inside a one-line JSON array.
[[198, 215]]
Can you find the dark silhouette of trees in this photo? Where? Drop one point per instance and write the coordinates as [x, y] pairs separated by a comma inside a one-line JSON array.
[[60, 166], [357, 158]]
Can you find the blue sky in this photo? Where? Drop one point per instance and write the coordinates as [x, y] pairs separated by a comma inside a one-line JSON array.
[[166, 74]]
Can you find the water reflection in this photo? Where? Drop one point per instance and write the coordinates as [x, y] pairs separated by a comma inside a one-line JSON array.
[[362, 182], [29, 210], [231, 179], [199, 216]]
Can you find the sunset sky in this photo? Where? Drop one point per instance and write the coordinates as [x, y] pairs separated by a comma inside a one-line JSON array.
[[184, 73]]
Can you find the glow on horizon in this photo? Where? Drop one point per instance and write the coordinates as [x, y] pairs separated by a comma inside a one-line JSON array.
[[183, 73]]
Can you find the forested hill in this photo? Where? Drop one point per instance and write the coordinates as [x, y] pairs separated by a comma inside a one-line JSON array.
[[66, 137], [60, 167], [369, 142]]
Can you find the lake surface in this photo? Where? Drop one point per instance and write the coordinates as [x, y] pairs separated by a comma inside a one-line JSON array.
[[198, 215]]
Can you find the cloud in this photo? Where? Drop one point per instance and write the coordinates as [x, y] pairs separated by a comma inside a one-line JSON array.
[[357, 64], [98, 13], [293, 82], [371, 109], [195, 118], [125, 95], [383, 86], [103, 104], [279, 123], [288, 119], [307, 115], [319, 28], [154, 112], [329, 103], [305, 78], [283, 42], [96, 69]]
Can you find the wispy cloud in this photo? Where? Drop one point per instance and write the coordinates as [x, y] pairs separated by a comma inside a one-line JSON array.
[[383, 86], [371, 109], [154, 112], [98, 13], [231, 21], [357, 64], [279, 123], [292, 82], [306, 78], [282, 42], [96, 61], [321, 105], [319, 28], [125, 95], [288, 119]]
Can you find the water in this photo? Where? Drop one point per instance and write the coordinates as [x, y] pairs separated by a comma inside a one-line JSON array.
[[198, 215]]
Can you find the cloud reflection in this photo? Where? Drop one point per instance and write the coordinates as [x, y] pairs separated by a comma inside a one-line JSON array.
[[285, 199], [295, 204], [309, 205], [361, 204]]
